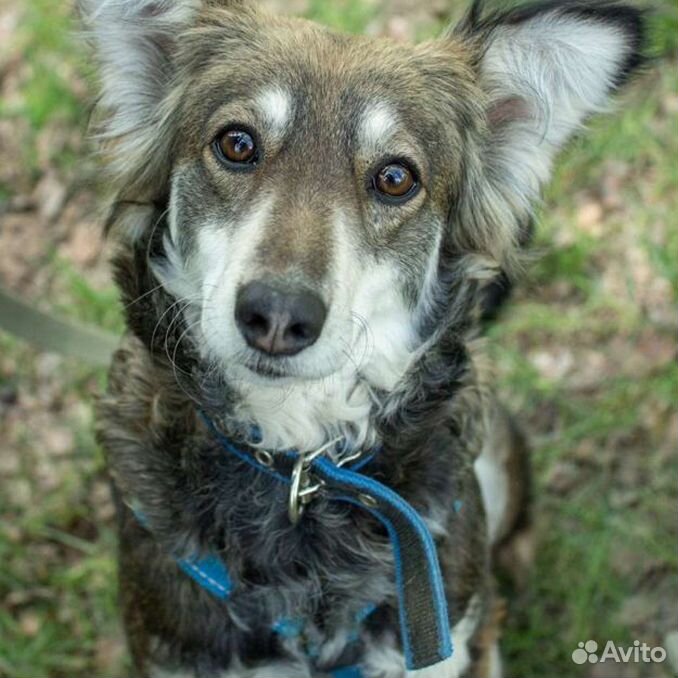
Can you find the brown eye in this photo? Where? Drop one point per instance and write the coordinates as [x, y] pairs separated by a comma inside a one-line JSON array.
[[395, 180], [236, 146]]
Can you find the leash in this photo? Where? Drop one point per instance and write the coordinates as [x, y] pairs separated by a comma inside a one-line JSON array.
[[424, 622], [50, 333], [422, 606]]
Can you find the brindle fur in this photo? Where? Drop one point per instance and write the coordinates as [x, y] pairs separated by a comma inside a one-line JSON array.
[[434, 420], [197, 497]]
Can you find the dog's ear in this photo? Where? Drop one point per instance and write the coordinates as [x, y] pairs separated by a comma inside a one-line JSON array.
[[136, 44], [544, 68], [134, 41]]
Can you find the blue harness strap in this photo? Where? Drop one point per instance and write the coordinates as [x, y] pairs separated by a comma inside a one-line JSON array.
[[423, 614], [208, 571], [347, 672]]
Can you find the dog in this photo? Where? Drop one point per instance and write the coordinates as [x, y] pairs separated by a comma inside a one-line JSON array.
[[311, 472]]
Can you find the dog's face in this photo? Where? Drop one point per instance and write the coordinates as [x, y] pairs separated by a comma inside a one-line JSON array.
[[307, 207], [334, 203]]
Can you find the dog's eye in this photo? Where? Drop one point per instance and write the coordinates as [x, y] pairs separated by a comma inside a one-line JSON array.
[[397, 181], [236, 146]]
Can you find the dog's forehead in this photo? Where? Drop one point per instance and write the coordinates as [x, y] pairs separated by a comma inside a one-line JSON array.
[[375, 119], [297, 72], [275, 104]]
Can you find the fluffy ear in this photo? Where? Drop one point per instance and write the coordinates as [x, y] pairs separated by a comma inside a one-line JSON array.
[[544, 68], [135, 41]]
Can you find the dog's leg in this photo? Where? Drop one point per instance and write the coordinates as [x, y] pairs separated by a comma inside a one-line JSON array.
[[503, 471]]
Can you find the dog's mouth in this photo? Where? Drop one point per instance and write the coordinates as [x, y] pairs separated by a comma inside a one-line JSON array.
[[261, 369], [267, 369]]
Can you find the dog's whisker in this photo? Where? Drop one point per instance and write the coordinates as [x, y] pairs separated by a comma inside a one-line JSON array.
[[162, 317], [169, 309], [151, 236], [176, 345], [142, 296], [365, 333], [173, 360]]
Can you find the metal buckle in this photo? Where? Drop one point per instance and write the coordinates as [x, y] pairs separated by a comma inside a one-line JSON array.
[[303, 490]]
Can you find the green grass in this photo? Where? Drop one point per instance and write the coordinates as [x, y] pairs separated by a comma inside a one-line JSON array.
[[664, 28], [47, 34], [47, 96], [58, 567], [576, 593], [345, 15], [85, 303], [57, 580], [54, 70]]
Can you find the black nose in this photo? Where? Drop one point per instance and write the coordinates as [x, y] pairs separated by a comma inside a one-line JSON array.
[[279, 321]]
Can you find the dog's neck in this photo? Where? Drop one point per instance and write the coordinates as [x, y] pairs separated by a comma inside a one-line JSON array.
[[306, 415], [162, 418], [347, 408]]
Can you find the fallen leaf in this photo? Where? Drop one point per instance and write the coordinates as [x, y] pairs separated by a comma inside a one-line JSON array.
[[589, 218], [29, 623], [50, 195]]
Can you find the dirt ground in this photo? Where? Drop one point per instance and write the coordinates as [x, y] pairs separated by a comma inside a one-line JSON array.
[[586, 354]]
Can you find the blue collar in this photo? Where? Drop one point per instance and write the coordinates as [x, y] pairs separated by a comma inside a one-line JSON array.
[[424, 620]]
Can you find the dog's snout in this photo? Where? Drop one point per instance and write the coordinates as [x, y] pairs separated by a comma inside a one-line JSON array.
[[279, 321]]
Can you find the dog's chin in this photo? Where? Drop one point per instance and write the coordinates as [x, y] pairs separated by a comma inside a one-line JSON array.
[[258, 370]]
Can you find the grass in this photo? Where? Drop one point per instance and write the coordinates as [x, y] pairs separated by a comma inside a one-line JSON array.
[[59, 616], [82, 301], [48, 37], [58, 576], [347, 15]]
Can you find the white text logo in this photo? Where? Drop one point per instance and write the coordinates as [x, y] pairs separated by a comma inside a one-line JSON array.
[[638, 653]]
